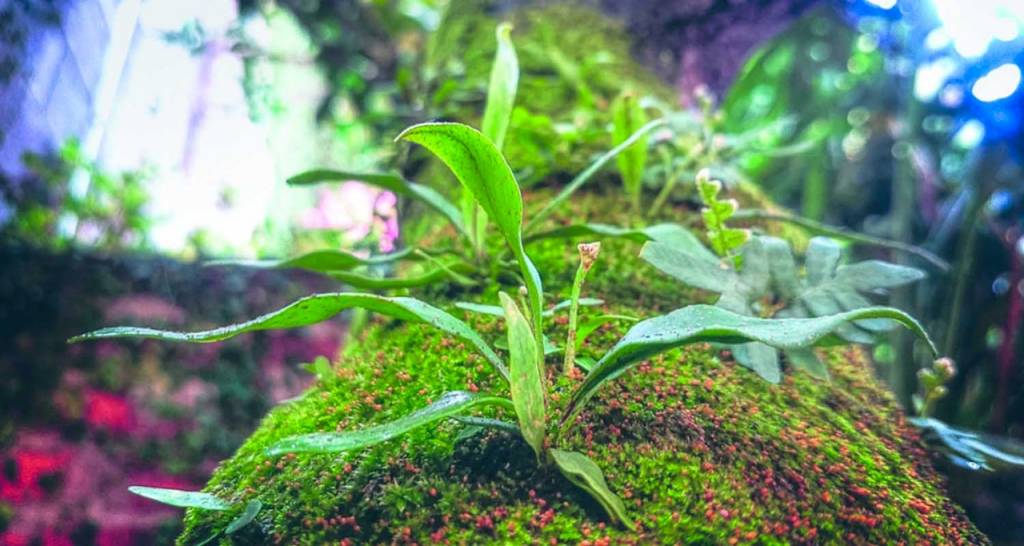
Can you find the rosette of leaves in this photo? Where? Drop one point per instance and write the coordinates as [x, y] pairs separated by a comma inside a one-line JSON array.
[[769, 283]]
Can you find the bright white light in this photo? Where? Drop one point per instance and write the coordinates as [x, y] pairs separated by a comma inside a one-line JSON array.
[[884, 4], [973, 25], [970, 135], [930, 78], [998, 84]]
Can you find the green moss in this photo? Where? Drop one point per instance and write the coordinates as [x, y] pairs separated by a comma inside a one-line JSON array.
[[700, 449]]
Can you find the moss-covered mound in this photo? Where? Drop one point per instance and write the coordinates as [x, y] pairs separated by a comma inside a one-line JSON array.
[[702, 451]]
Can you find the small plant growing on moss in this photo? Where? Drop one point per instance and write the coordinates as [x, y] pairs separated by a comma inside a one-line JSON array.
[[494, 198], [758, 276], [482, 170]]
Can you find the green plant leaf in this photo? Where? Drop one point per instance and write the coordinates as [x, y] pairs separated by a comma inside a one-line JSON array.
[[830, 288], [450, 404], [368, 282], [760, 359], [591, 325], [497, 311], [481, 169], [391, 182], [805, 359], [703, 270], [588, 173], [527, 375], [314, 309], [320, 261], [585, 474], [181, 499], [501, 92], [706, 323], [627, 118], [252, 509], [672, 234]]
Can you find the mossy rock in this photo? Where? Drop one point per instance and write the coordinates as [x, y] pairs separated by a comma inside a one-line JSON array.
[[701, 450]]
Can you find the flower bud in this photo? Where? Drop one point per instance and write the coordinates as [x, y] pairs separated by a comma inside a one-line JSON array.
[[588, 254]]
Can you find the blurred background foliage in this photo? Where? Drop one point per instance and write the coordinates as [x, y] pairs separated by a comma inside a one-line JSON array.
[[895, 119]]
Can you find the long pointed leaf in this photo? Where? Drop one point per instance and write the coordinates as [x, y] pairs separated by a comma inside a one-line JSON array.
[[252, 509], [367, 282], [527, 375], [585, 474], [627, 118], [482, 170], [706, 323], [588, 173], [450, 404], [314, 309], [388, 181], [320, 261], [501, 92], [497, 311], [180, 498]]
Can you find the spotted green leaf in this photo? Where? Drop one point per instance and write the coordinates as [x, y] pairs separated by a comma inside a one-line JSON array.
[[180, 498], [449, 405], [314, 309], [585, 474], [526, 375]]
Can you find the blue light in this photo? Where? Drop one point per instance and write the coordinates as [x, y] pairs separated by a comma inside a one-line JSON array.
[[997, 84]]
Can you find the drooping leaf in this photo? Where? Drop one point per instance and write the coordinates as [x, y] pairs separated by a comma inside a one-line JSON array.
[[527, 375], [180, 498], [628, 117], [501, 92], [481, 169], [320, 261], [252, 509], [450, 404], [585, 474], [549, 347], [706, 323], [588, 173], [388, 181], [314, 309]]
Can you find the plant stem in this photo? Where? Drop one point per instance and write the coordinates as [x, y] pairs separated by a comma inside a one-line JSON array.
[[570, 342], [588, 254]]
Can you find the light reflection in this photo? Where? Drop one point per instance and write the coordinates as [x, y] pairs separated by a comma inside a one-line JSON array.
[[998, 84]]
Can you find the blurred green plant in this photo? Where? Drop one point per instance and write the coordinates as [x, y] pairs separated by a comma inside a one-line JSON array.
[[69, 200]]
